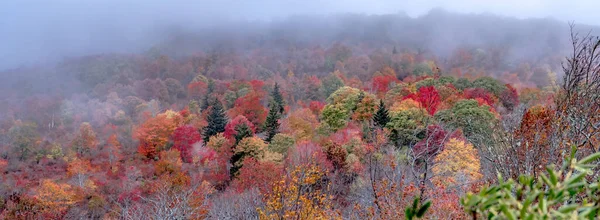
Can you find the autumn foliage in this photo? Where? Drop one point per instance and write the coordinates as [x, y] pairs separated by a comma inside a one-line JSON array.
[[268, 126]]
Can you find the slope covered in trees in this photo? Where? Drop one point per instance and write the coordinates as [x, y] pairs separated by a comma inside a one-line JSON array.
[[370, 120]]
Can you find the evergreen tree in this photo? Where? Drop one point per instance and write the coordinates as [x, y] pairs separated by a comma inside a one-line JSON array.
[[216, 121], [272, 122], [242, 131], [278, 98], [276, 110], [395, 51], [382, 116], [209, 91]]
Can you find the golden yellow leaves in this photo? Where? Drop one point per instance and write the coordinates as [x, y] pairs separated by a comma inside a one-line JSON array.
[[55, 196], [457, 163], [299, 196]]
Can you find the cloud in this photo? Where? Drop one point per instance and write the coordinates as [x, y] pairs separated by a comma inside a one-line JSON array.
[[42, 30]]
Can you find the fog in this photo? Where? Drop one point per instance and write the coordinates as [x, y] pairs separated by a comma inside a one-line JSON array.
[[41, 31]]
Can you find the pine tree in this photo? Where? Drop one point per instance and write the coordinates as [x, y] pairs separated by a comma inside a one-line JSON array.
[[278, 98], [242, 131], [272, 122], [381, 117], [276, 110], [395, 51], [209, 91], [216, 121]]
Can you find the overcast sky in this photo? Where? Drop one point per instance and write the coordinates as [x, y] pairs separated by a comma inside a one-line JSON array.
[[38, 29]]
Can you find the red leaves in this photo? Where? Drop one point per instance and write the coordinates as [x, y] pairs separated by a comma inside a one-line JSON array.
[[250, 107], [197, 89], [148, 150], [257, 85], [230, 127], [479, 94], [308, 153], [184, 139], [428, 97], [380, 83], [316, 107], [259, 174]]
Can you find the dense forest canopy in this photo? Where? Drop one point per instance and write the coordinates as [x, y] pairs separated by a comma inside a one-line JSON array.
[[344, 116]]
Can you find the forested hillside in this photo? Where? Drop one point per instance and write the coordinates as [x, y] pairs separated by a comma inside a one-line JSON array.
[[332, 117]]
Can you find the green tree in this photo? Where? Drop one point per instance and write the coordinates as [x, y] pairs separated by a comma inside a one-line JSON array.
[[277, 107], [490, 84], [278, 98], [272, 122], [242, 131], [334, 117], [446, 79], [209, 91], [462, 84], [216, 121], [427, 82], [281, 143], [566, 193], [476, 121], [381, 117], [340, 107], [346, 96], [407, 127]]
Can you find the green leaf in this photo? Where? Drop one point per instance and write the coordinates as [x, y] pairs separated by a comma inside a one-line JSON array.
[[568, 208], [590, 158], [553, 176], [415, 203], [578, 177], [408, 213], [507, 213], [423, 209]]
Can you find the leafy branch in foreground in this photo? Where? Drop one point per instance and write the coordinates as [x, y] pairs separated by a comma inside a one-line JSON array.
[[417, 211], [556, 194]]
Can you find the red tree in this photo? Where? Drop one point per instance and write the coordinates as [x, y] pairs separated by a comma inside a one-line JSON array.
[[197, 89], [250, 107], [380, 83], [230, 131], [259, 174], [428, 97], [184, 138]]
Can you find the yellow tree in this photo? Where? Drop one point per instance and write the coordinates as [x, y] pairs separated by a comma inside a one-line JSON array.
[[300, 124], [250, 147], [405, 105], [457, 163], [299, 195], [55, 198]]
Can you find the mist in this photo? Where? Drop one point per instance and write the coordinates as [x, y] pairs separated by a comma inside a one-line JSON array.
[[42, 32]]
